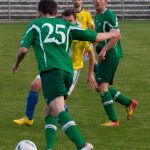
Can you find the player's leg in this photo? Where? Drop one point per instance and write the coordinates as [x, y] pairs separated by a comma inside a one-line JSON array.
[[55, 98], [130, 104], [104, 77], [108, 105], [50, 128], [32, 99]]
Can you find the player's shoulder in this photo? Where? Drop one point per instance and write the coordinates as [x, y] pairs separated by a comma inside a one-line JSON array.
[[110, 13], [39, 21], [59, 21], [33, 21], [85, 11]]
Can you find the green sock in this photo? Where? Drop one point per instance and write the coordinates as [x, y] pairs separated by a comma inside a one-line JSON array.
[[119, 97], [70, 129], [50, 131], [108, 105]]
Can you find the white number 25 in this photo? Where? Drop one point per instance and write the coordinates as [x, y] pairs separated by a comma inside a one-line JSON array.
[[51, 30]]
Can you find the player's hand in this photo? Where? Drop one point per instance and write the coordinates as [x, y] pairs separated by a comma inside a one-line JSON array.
[[15, 68], [102, 55], [97, 89], [91, 81]]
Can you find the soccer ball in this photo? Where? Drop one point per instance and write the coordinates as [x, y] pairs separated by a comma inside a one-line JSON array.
[[26, 145]]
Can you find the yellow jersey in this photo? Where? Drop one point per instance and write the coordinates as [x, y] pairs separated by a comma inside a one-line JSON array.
[[84, 19], [78, 48]]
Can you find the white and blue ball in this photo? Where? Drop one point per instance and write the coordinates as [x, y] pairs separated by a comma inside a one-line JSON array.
[[26, 145]]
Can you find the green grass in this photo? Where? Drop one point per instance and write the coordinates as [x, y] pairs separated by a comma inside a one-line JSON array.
[[132, 78]]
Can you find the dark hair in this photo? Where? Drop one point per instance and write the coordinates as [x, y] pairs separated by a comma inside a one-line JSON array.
[[47, 7], [69, 12]]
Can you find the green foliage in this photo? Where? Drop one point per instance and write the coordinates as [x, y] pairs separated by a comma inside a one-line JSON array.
[[132, 79]]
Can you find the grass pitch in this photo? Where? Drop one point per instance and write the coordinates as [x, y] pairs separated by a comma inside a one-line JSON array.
[[132, 79]]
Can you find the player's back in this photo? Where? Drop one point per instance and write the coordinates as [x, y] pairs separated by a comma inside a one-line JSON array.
[[52, 30], [51, 43], [51, 39]]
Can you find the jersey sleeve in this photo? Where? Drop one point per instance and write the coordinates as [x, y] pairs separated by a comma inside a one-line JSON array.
[[28, 37], [83, 34], [113, 21]]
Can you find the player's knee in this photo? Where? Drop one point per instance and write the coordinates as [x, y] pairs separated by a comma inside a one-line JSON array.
[[35, 86], [57, 111], [102, 87]]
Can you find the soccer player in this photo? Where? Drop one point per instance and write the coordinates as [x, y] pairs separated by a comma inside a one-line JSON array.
[[51, 40], [109, 53], [78, 49], [84, 20]]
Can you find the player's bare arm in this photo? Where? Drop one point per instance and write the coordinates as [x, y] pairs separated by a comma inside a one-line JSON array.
[[114, 33], [107, 47], [21, 54], [91, 80]]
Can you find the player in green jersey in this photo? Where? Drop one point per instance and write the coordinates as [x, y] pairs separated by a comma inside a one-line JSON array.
[[78, 48], [51, 40], [109, 54]]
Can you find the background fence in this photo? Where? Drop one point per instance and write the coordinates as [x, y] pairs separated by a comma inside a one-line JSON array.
[[27, 9]]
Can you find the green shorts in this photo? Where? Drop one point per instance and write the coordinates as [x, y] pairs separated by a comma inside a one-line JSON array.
[[106, 70], [55, 83]]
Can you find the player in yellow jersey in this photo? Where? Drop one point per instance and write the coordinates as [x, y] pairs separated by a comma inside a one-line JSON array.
[[77, 51], [83, 17], [82, 49], [84, 20]]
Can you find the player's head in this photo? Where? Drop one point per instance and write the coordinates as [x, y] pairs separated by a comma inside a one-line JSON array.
[[47, 7], [77, 3], [69, 15], [100, 4]]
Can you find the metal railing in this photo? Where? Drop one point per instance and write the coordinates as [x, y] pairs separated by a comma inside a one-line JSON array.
[[27, 9]]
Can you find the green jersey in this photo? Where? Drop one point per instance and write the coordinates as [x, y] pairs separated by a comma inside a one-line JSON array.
[[104, 23], [51, 39]]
